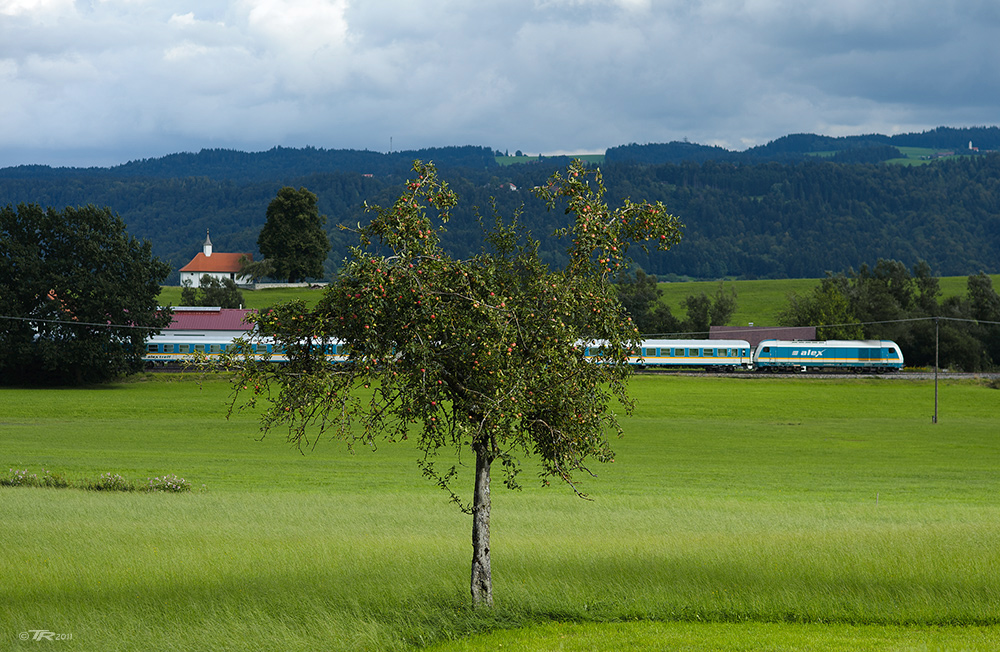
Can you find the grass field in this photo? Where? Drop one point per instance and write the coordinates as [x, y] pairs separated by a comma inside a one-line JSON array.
[[740, 514], [170, 295], [756, 301], [760, 301], [512, 160]]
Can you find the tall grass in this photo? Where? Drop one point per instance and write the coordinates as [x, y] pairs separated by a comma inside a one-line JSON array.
[[763, 501]]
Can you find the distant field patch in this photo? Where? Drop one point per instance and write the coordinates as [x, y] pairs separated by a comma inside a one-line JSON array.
[[760, 301], [512, 160], [170, 295]]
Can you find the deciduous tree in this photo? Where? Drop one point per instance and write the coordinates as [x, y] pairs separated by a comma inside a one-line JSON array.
[[77, 293], [484, 355], [293, 238], [826, 306]]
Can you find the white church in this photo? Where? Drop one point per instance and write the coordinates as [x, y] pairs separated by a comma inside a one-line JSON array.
[[216, 265]]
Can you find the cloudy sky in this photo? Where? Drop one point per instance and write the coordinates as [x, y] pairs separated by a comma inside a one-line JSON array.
[[101, 82]]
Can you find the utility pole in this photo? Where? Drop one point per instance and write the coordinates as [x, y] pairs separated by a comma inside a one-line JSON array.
[[937, 330]]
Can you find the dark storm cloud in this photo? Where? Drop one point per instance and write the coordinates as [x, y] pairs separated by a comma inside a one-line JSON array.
[[103, 81]]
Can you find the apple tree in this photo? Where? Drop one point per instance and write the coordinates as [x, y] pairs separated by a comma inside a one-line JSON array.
[[487, 355]]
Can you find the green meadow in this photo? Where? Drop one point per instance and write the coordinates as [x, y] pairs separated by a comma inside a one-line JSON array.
[[739, 514], [760, 301], [757, 301], [170, 295], [512, 160]]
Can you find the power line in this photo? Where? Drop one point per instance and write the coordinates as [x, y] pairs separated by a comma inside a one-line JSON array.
[[63, 322]]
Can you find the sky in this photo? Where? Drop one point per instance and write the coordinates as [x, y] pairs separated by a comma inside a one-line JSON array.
[[103, 82]]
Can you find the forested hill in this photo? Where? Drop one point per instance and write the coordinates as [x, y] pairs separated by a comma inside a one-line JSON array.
[[273, 165], [765, 220], [870, 148]]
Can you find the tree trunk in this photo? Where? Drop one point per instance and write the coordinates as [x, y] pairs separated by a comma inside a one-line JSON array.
[[482, 580]]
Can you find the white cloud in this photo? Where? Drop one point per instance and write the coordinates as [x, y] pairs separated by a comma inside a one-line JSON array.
[[38, 9], [148, 77]]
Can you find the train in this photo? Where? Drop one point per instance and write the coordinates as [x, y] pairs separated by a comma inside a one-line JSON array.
[[777, 356]]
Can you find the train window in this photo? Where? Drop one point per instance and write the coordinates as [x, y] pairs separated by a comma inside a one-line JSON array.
[[215, 348], [890, 353], [152, 348], [767, 349], [199, 348], [184, 348], [649, 352], [709, 353]]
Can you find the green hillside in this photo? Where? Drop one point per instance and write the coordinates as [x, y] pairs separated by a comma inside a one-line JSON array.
[[756, 301], [760, 301]]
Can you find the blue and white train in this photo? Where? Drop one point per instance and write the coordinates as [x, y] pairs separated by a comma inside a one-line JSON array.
[[787, 356]]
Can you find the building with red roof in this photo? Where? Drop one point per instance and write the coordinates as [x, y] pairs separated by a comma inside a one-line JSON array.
[[216, 265], [221, 322]]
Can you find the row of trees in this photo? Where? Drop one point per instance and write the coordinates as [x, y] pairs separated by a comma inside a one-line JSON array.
[[888, 301]]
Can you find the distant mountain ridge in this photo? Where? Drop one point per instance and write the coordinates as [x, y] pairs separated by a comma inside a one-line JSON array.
[[289, 162]]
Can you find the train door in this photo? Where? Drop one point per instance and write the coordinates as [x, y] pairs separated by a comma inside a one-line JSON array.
[[764, 357]]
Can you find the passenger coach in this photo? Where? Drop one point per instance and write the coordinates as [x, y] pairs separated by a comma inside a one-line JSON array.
[[711, 355]]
